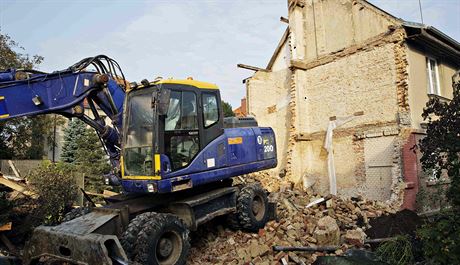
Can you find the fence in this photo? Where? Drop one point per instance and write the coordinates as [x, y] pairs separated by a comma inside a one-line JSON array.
[[23, 166]]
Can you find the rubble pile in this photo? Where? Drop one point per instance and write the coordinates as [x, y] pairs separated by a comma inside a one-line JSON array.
[[329, 221]]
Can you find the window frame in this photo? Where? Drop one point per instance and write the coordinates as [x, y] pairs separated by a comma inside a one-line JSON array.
[[203, 112], [434, 88]]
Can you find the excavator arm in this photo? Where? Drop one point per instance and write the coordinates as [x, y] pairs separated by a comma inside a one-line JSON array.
[[94, 82]]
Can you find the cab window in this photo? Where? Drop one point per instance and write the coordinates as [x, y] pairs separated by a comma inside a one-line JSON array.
[[138, 133], [182, 114], [210, 109], [181, 129]]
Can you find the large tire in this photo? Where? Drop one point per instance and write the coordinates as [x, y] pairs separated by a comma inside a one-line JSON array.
[[75, 213], [129, 238], [164, 240], [252, 207]]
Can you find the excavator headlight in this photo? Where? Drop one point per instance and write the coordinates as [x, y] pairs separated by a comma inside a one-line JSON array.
[[151, 187], [37, 100]]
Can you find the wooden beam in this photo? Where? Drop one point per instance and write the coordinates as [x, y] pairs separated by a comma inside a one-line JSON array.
[[6, 227], [253, 68], [15, 186], [303, 137], [295, 64], [15, 170], [105, 194], [108, 193], [285, 20]]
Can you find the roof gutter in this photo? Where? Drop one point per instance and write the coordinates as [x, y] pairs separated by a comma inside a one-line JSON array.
[[431, 37]]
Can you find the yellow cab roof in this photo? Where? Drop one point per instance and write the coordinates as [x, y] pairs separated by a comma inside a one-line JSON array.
[[190, 82]]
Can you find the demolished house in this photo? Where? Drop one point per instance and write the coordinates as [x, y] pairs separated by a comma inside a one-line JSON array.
[[348, 84]]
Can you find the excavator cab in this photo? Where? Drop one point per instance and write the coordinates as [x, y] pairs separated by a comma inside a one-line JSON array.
[[166, 124]]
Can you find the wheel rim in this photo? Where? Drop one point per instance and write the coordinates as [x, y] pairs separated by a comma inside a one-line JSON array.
[[258, 207], [169, 248]]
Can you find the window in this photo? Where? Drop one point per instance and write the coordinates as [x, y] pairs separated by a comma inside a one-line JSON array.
[[182, 111], [433, 77], [181, 129], [139, 134], [210, 109], [182, 149]]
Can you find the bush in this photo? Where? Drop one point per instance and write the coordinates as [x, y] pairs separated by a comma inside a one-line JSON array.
[[57, 190], [441, 239], [397, 251], [5, 208]]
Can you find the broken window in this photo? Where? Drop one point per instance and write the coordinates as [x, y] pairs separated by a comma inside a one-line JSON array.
[[434, 86]]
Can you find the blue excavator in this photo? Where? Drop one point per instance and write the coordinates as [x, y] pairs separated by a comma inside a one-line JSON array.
[[171, 150]]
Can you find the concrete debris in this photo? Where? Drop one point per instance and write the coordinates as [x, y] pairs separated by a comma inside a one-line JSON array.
[[335, 221], [327, 232], [355, 237]]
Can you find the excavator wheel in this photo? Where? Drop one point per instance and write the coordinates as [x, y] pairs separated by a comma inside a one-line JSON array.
[[252, 207], [129, 238], [164, 240], [75, 213]]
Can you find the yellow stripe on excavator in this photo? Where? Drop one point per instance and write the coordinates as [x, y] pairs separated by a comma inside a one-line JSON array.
[[190, 82], [155, 177]]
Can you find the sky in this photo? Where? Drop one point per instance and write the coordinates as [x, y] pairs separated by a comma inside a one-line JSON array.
[[204, 39]]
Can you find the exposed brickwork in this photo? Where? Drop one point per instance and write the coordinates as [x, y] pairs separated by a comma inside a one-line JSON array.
[[411, 178], [292, 128], [402, 82], [360, 167]]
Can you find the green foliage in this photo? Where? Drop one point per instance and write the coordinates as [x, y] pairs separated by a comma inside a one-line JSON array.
[[83, 151], [441, 146], [21, 138], [92, 160], [5, 208], [12, 56], [227, 108], [397, 251], [56, 188], [441, 239], [72, 138], [441, 149]]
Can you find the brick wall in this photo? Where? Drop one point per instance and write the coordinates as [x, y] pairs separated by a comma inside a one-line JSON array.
[[411, 174]]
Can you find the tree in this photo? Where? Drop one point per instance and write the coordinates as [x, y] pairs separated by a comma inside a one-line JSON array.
[[441, 146], [83, 151], [11, 58], [440, 155], [91, 160], [72, 135], [227, 108], [22, 138]]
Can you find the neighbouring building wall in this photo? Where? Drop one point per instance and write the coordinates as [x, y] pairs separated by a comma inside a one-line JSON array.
[[418, 82], [361, 82], [283, 58], [331, 26], [267, 99]]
